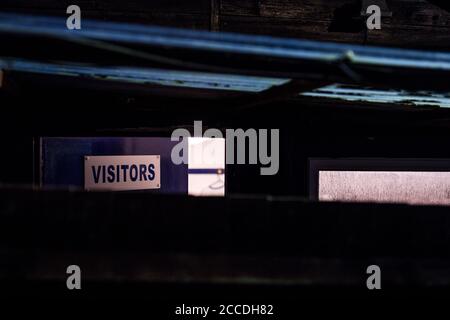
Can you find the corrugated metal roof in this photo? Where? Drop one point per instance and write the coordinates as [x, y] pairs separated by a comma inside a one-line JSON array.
[[238, 83], [362, 70], [263, 55], [227, 42]]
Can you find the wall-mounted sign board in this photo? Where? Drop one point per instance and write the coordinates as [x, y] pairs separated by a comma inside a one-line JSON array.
[[119, 173], [91, 163], [133, 164]]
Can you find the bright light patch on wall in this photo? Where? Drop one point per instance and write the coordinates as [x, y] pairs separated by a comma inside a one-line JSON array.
[[427, 188], [206, 167]]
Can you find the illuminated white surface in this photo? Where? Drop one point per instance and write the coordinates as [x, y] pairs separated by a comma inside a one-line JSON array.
[[385, 186], [206, 154]]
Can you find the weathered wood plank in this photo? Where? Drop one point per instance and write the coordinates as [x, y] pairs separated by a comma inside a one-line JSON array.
[[237, 8], [165, 13], [317, 30], [178, 20], [413, 24], [390, 35], [411, 36], [416, 13], [45, 4], [170, 6], [300, 9]]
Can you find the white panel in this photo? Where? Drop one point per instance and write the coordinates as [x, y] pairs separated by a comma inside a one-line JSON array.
[[385, 186], [206, 154]]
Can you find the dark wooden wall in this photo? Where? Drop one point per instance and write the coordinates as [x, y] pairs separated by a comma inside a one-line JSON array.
[[414, 23]]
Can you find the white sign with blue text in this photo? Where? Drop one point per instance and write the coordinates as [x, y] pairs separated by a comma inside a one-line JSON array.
[[120, 173]]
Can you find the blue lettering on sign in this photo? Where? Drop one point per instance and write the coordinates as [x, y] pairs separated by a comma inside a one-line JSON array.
[[118, 173], [96, 174], [151, 171]]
